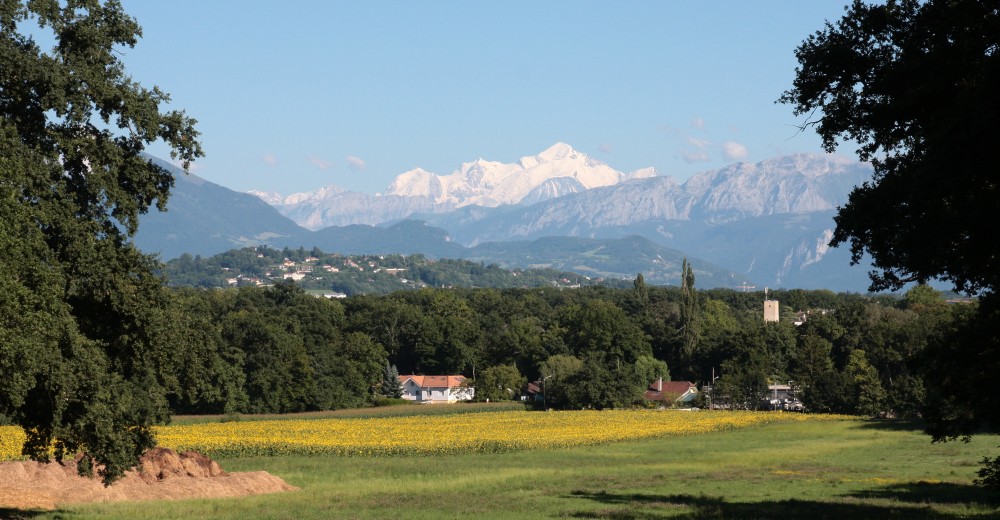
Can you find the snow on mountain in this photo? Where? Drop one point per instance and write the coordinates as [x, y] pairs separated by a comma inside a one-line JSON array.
[[559, 170], [794, 184], [276, 199], [272, 198], [416, 183], [320, 194], [490, 183], [553, 188]]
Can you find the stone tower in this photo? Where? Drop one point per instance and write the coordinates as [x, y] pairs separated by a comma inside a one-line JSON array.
[[770, 309]]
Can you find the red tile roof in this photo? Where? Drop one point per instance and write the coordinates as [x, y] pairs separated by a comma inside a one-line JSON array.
[[435, 381], [672, 389]]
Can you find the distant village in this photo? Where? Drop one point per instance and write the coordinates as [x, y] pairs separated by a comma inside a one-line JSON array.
[[339, 276]]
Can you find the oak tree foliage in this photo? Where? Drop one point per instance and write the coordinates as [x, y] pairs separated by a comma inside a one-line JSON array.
[[80, 310], [915, 84]]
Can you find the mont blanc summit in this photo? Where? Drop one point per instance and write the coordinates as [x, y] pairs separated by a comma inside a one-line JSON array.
[[557, 171]]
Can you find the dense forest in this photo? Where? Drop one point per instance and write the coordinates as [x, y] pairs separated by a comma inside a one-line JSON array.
[[280, 349]]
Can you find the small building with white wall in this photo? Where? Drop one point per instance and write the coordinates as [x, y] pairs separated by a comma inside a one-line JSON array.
[[436, 389]]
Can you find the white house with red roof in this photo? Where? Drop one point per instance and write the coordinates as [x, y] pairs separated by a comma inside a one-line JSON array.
[[436, 389]]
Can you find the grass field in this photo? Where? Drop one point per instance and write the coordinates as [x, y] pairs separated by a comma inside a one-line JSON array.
[[838, 469]]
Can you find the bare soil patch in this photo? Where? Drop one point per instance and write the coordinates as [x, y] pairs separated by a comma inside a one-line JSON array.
[[162, 474]]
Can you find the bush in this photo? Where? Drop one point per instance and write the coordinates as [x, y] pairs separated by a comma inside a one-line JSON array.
[[989, 474]]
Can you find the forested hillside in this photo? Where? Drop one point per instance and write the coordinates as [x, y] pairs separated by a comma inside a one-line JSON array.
[[279, 349], [340, 275]]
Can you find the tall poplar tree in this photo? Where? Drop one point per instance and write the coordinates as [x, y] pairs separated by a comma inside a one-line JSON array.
[[80, 308], [691, 328]]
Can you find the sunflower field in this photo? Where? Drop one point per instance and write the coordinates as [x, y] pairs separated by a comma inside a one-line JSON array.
[[488, 432]]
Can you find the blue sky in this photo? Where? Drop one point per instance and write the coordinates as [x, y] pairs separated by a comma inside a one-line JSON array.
[[293, 96]]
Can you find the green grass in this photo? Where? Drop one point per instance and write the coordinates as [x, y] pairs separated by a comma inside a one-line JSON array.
[[849, 469]]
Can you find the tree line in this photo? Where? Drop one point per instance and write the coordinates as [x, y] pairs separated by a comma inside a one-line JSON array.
[[279, 349]]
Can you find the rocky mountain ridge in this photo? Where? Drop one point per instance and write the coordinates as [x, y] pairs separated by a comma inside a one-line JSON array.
[[557, 171], [795, 184], [566, 188]]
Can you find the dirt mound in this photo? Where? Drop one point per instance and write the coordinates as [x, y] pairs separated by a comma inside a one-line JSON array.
[[161, 474]]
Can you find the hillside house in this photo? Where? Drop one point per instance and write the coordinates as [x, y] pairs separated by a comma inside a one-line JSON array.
[[672, 393], [436, 389]]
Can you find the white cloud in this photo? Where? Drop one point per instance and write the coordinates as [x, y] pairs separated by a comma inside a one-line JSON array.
[[700, 144], [270, 159], [698, 123], [693, 157], [606, 148], [733, 151], [355, 163], [320, 163]]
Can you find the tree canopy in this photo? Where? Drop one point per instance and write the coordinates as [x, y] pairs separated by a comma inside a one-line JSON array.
[[915, 84], [81, 321]]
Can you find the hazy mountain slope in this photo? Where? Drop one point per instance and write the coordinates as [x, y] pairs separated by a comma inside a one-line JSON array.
[[407, 237], [787, 250], [351, 207], [609, 258], [205, 218]]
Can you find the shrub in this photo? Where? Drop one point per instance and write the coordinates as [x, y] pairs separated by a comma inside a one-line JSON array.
[[989, 474]]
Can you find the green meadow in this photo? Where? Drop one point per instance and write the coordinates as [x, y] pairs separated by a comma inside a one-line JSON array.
[[841, 469]]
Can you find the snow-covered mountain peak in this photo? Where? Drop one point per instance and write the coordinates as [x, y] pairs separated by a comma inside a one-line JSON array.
[[490, 183], [417, 182], [557, 151]]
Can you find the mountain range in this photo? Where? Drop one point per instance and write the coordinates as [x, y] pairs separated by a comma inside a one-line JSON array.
[[765, 223], [557, 171]]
